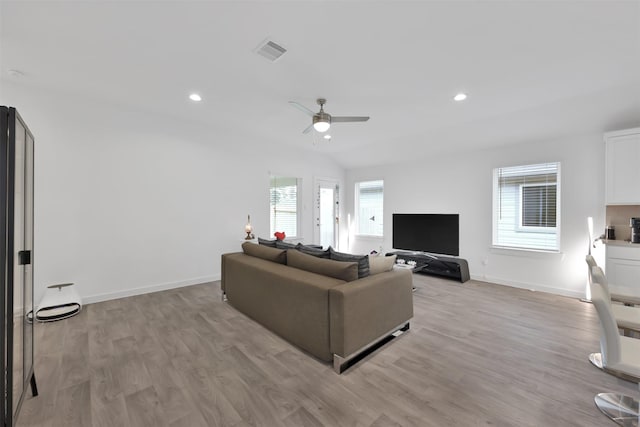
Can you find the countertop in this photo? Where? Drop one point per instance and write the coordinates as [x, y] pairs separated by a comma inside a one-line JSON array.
[[624, 243]]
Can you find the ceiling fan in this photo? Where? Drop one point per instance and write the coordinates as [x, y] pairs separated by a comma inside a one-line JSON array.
[[321, 121]]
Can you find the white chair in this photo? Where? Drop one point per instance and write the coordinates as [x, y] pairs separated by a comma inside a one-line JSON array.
[[627, 317], [627, 298], [620, 356]]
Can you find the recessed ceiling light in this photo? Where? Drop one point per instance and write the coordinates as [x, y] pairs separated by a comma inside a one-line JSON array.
[[460, 97], [195, 97], [327, 137]]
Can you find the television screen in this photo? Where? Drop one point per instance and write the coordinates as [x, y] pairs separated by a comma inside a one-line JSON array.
[[432, 233]]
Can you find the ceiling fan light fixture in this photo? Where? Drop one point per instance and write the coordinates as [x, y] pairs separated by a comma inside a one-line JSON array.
[[321, 126], [321, 122], [327, 136]]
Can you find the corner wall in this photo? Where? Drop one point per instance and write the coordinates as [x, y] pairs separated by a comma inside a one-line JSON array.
[[462, 183], [129, 203]]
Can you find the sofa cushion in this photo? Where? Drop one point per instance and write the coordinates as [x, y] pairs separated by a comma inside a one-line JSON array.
[[284, 245], [310, 250], [380, 264], [266, 242], [362, 260], [265, 252], [347, 271]]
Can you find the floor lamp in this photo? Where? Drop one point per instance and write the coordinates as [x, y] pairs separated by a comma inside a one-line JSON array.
[[587, 290]]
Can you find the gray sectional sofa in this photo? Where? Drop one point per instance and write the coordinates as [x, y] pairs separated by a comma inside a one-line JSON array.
[[317, 304]]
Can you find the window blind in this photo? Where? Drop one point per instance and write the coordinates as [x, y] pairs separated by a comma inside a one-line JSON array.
[[539, 205], [369, 199], [283, 205], [526, 207]]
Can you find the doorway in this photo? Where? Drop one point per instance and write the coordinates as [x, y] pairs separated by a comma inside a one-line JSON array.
[[326, 212]]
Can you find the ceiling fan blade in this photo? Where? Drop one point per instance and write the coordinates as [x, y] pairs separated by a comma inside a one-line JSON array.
[[302, 108], [308, 129], [345, 119]]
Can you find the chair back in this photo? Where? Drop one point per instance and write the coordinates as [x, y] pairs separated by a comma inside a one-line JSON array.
[[591, 262], [609, 335]]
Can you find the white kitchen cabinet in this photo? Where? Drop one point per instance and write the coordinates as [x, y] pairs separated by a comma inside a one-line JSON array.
[[622, 169], [623, 267]]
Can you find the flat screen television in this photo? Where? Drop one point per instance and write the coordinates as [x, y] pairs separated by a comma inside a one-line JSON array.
[[432, 233]]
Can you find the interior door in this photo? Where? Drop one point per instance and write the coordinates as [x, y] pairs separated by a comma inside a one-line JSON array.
[[16, 182], [326, 212]]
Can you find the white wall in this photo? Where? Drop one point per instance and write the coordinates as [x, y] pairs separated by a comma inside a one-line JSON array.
[[129, 203], [462, 183]]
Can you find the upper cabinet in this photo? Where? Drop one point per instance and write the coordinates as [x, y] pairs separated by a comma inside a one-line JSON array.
[[622, 167]]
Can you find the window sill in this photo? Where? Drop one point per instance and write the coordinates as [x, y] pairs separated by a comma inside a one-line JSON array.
[[368, 237], [524, 252]]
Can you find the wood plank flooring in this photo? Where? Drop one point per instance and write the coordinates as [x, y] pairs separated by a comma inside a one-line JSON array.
[[477, 354]]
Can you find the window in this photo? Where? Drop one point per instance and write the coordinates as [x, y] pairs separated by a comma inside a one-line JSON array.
[[369, 213], [527, 207], [284, 209], [538, 207]]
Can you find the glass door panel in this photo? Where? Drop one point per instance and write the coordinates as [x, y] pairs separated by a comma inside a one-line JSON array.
[[28, 266], [326, 212], [18, 273], [327, 217]]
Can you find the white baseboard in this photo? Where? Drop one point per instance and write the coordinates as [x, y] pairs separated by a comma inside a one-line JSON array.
[[147, 289], [529, 286], [195, 281]]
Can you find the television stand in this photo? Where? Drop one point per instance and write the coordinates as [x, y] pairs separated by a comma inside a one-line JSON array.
[[453, 268]]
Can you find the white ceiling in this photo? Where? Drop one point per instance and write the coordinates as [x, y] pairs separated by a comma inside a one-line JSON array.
[[533, 70]]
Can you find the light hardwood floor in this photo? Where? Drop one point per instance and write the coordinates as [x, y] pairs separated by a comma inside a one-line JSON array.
[[476, 354]]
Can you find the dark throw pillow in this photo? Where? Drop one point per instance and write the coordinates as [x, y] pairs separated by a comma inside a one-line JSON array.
[[347, 271], [362, 260], [284, 245], [310, 250], [266, 242]]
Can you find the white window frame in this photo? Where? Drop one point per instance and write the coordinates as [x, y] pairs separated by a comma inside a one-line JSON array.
[[298, 206], [529, 228], [496, 213], [356, 199]]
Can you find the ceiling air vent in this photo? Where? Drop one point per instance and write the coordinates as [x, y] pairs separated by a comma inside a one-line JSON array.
[[270, 50]]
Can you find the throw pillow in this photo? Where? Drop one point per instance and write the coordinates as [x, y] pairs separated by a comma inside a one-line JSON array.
[[380, 264], [266, 242], [309, 250], [284, 245], [362, 260], [265, 252], [347, 271]]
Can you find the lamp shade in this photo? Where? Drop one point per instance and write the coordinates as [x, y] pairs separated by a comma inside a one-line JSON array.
[[321, 122], [321, 126]]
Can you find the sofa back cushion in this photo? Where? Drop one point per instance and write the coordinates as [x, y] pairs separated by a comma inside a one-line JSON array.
[[347, 271], [362, 260], [265, 252]]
